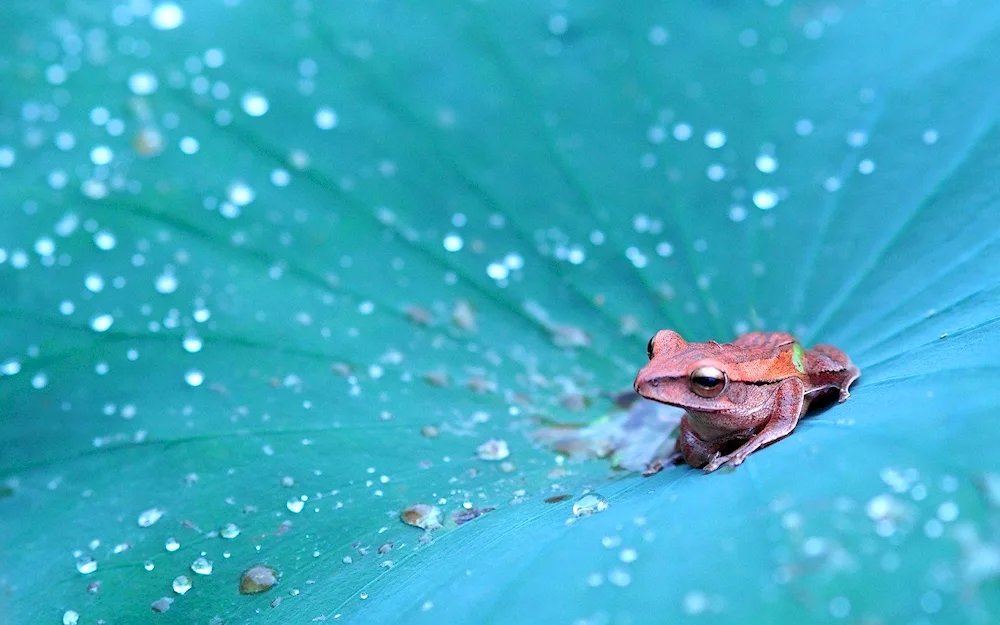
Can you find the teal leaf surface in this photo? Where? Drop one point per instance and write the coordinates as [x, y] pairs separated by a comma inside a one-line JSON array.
[[273, 272]]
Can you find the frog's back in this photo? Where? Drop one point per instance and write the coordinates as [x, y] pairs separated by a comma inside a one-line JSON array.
[[764, 357], [764, 340]]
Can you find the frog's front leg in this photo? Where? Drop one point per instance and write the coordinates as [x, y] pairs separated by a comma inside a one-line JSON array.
[[786, 408]]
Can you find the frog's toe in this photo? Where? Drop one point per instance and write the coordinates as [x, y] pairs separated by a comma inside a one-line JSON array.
[[713, 464], [653, 468], [844, 395], [736, 460]]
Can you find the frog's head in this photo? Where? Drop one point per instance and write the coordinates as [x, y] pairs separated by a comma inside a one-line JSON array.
[[690, 376]]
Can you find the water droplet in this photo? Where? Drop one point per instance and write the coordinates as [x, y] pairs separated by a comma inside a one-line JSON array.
[[715, 139], [181, 584], [172, 544], [857, 138], [254, 104], [151, 516], [326, 118], [422, 515], [39, 381], [165, 283], [715, 172], [104, 240], [192, 343], [619, 577], [7, 156], [840, 607], [628, 555], [257, 579], [658, 35], [453, 243], [930, 137], [558, 24], [695, 602], [188, 145], [71, 617], [149, 565], [229, 530], [93, 283], [866, 166], [589, 504], [948, 511], [86, 565], [240, 193], [765, 199], [194, 377], [161, 605], [166, 16], [497, 271], [143, 83], [45, 246], [295, 504], [766, 163], [10, 367], [683, 132], [493, 449], [101, 323], [202, 566]]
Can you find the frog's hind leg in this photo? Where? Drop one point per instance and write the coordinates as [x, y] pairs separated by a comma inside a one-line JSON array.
[[828, 365]]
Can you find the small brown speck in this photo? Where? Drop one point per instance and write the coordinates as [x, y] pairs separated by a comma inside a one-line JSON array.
[[463, 316], [480, 384], [558, 498], [341, 368], [437, 378], [418, 315]]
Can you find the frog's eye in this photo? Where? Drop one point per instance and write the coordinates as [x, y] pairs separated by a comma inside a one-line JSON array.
[[649, 347], [708, 381]]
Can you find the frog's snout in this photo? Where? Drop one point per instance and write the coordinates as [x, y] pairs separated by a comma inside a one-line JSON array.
[[644, 384]]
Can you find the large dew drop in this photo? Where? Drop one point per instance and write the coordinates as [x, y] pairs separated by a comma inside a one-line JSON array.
[[590, 504], [202, 566], [257, 579], [181, 584], [422, 515]]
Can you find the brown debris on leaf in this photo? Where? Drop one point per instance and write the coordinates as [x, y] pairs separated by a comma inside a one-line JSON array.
[[631, 436], [464, 316], [438, 378], [464, 515], [418, 315]]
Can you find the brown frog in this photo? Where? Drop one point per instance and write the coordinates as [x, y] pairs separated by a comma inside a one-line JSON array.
[[738, 396]]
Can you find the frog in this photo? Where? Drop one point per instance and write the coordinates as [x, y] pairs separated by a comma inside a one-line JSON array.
[[738, 397]]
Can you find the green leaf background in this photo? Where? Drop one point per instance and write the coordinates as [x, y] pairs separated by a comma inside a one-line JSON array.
[[568, 144]]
